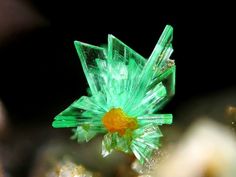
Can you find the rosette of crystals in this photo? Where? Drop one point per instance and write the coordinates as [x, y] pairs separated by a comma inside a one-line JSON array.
[[126, 91]]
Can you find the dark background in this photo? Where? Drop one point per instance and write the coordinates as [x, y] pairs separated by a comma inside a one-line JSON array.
[[40, 72]]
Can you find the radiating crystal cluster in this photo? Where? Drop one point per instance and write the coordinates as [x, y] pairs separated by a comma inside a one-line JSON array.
[[125, 92]]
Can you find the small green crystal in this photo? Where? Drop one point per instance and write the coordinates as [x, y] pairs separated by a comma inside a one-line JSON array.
[[126, 90]]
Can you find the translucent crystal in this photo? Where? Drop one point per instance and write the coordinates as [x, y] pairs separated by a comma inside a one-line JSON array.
[[125, 93]]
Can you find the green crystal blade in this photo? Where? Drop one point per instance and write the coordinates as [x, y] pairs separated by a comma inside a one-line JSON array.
[[160, 53], [145, 141], [82, 134], [115, 141], [158, 119], [65, 123], [88, 54], [118, 48], [82, 112], [151, 99]]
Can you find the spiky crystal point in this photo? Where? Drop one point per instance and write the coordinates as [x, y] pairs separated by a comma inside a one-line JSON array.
[[126, 91]]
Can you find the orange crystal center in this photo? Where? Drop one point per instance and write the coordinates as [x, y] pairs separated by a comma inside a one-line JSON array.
[[117, 121]]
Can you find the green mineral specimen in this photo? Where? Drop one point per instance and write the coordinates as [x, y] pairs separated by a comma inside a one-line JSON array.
[[126, 91]]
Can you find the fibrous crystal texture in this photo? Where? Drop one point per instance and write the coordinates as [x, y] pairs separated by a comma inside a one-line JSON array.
[[126, 91]]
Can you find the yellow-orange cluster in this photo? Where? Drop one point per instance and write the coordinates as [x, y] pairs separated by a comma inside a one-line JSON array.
[[117, 121]]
